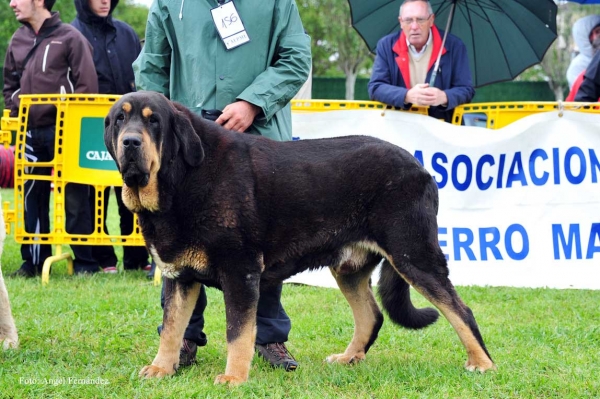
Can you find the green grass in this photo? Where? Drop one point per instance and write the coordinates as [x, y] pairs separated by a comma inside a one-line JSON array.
[[545, 342]]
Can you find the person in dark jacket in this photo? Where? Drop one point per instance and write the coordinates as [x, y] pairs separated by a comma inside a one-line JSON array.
[[589, 90], [405, 61], [46, 56], [116, 46], [585, 30]]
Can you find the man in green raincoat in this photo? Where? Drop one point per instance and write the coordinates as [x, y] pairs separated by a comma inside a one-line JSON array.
[[239, 64]]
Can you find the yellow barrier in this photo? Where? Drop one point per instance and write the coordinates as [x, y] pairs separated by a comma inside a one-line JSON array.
[[498, 115], [7, 125], [339, 105], [80, 157]]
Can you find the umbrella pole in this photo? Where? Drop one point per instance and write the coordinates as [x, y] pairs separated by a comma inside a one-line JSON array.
[[437, 62]]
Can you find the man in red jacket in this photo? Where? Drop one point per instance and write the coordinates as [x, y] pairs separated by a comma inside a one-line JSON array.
[[405, 61], [47, 56]]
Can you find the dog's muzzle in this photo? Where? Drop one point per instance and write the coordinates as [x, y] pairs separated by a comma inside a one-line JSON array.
[[132, 144], [133, 169]]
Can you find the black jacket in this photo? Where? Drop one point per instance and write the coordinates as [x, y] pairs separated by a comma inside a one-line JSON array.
[[115, 45], [589, 91]]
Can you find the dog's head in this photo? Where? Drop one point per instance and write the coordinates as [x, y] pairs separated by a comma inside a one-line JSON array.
[[149, 137]]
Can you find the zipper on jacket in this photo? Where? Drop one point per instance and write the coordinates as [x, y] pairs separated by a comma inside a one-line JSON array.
[[14, 94], [45, 57], [69, 80]]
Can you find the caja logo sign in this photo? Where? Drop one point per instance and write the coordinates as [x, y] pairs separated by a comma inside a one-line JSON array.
[[92, 151]]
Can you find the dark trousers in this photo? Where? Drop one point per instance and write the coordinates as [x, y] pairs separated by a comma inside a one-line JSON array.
[[272, 323], [134, 257], [39, 147]]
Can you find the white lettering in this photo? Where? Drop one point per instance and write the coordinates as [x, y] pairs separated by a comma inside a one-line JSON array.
[[98, 156]]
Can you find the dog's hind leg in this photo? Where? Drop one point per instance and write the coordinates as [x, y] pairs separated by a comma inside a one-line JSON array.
[[180, 300], [368, 319], [410, 238], [241, 301], [419, 260], [438, 289]]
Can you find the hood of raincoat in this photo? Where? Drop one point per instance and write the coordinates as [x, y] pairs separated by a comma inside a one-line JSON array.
[[85, 14], [581, 35]]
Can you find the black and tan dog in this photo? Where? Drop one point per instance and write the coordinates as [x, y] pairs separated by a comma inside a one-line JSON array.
[[241, 213]]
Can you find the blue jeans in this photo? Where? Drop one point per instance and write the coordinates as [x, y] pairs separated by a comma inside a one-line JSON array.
[[272, 323]]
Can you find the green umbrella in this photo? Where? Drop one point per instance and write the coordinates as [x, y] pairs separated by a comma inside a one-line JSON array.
[[503, 37]]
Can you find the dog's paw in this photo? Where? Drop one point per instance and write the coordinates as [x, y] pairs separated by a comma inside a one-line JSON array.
[[342, 358], [481, 365], [229, 379], [9, 343], [153, 371]]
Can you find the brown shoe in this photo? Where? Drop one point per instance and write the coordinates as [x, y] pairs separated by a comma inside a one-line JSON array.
[[277, 355], [187, 353]]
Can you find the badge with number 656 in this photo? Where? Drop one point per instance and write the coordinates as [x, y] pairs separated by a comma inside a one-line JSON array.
[[229, 25]]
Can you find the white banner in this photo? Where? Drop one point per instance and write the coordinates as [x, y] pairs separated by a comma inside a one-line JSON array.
[[519, 206]]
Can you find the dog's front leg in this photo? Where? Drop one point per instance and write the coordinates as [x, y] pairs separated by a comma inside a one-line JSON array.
[[8, 331], [180, 300], [241, 301]]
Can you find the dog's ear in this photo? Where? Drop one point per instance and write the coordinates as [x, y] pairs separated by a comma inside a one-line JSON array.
[[109, 136], [188, 141]]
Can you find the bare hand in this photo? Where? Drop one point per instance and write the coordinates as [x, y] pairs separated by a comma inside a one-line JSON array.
[[422, 94], [238, 116]]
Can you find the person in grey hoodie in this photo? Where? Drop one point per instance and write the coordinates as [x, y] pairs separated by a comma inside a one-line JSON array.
[[585, 30]]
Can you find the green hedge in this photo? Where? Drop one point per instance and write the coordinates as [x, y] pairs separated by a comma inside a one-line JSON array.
[[334, 89]]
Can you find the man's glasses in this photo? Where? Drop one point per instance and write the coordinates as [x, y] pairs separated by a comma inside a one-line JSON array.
[[410, 21]]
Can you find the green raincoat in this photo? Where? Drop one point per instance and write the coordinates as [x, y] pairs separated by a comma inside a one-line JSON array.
[[185, 59]]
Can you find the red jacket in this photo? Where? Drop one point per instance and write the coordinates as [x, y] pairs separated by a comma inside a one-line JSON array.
[[576, 84], [402, 58]]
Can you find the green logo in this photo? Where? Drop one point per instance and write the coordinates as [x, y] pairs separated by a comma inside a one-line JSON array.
[[92, 152]]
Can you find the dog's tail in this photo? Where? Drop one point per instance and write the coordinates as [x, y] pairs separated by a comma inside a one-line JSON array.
[[395, 296]]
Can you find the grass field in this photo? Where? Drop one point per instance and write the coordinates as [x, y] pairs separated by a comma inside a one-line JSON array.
[[87, 337]]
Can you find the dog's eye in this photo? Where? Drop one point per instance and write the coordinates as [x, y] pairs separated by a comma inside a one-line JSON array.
[[120, 117], [153, 120]]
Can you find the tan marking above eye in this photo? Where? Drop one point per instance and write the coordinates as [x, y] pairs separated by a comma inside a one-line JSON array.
[[127, 107], [147, 112]]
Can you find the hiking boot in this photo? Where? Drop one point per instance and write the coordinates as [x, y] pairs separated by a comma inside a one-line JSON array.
[[187, 353], [23, 272], [277, 355]]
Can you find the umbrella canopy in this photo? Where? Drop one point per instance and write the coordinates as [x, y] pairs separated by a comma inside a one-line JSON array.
[[503, 37]]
